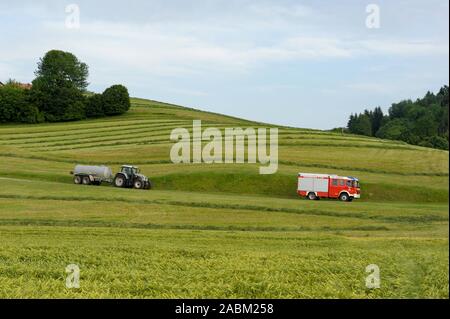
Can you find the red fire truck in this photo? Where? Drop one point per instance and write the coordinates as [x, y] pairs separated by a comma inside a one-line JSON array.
[[316, 186]]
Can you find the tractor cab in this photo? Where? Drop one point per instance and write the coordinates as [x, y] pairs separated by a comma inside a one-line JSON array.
[[130, 170]]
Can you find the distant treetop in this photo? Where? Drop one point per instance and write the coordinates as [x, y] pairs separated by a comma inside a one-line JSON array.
[[423, 122]]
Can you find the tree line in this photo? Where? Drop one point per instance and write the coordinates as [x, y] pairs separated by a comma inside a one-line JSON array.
[[58, 93], [422, 122]]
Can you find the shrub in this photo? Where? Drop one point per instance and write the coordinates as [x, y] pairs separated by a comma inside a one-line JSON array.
[[75, 111], [436, 142], [16, 107], [116, 100], [94, 106], [59, 103]]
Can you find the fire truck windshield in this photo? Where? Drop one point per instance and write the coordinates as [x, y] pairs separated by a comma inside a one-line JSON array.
[[356, 184]]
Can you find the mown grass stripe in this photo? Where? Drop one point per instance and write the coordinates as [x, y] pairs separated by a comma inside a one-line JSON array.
[[287, 163], [91, 223], [150, 128], [91, 127], [392, 219], [166, 140], [134, 135], [360, 169]]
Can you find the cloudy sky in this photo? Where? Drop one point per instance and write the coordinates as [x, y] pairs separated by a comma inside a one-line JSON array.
[[290, 62]]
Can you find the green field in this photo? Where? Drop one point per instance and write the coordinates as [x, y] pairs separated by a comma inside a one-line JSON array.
[[217, 230]]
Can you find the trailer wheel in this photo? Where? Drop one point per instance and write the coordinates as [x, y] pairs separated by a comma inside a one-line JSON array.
[[344, 197], [119, 181], [312, 196], [77, 180], [86, 180], [138, 184]]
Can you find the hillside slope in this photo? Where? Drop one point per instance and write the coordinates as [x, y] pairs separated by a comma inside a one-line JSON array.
[[388, 169], [216, 230]]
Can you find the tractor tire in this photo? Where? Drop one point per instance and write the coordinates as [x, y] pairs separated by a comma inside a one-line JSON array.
[[312, 196], [138, 184], [149, 184], [77, 180], [119, 181], [86, 180], [344, 197]]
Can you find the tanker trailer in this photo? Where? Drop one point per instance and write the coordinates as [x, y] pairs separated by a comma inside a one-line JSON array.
[[129, 176], [95, 175]]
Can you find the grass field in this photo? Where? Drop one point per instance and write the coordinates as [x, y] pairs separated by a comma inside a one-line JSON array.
[[217, 230]]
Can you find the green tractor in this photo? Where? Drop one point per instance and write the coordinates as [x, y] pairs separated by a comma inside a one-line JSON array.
[[130, 176]]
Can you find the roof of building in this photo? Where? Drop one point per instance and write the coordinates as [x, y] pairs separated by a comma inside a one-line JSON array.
[[25, 85], [21, 85]]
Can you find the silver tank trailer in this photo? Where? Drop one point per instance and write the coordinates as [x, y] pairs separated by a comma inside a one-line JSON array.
[[101, 172]]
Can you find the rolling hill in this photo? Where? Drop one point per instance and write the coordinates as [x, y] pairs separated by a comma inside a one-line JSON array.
[[217, 230]]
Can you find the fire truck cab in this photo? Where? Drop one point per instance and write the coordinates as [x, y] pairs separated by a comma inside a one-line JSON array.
[[316, 186]]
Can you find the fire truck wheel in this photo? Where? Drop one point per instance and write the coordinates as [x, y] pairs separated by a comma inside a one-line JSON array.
[[344, 197], [312, 196]]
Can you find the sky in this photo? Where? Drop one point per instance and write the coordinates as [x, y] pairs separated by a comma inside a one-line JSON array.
[[296, 63]]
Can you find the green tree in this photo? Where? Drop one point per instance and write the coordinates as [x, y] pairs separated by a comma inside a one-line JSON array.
[[398, 110], [59, 67], [351, 123], [443, 100], [94, 106], [376, 120], [396, 129], [116, 100], [15, 105], [59, 85], [422, 122], [361, 125], [426, 125]]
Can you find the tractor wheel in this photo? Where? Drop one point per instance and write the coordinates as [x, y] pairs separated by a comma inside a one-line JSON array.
[[119, 181], [312, 196], [149, 184], [138, 184], [77, 180], [86, 180], [344, 197]]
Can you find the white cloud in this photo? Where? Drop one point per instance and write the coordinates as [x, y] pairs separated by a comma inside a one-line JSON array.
[[258, 34], [404, 47]]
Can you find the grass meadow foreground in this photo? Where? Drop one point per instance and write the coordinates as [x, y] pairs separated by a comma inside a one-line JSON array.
[[218, 230]]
